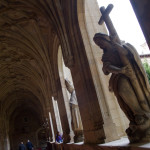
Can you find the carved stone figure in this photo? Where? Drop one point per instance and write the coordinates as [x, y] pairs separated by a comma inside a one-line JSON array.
[[129, 83], [128, 79], [75, 114]]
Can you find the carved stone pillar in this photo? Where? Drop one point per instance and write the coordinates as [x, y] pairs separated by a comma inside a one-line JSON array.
[[53, 120], [50, 132], [142, 11], [77, 124], [88, 104], [78, 64], [49, 129], [63, 113]]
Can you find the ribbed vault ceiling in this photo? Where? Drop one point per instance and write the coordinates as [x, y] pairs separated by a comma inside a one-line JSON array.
[[26, 41]]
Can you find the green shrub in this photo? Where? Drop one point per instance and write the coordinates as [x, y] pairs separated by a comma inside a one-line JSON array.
[[147, 68]]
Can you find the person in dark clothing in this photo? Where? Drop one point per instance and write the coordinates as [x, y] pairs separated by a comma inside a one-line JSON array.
[[22, 146], [29, 145]]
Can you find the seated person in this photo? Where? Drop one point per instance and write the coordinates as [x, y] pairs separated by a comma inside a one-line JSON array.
[[59, 138]]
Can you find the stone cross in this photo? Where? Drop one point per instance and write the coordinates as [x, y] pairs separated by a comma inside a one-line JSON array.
[[105, 18]]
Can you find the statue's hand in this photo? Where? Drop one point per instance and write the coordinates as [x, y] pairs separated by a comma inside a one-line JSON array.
[[127, 70]]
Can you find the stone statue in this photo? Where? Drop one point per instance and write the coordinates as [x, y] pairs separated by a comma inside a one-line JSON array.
[[75, 114], [128, 81]]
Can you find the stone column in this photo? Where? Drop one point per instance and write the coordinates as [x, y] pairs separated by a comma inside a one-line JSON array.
[[88, 104], [63, 113], [142, 11], [50, 132], [53, 120], [75, 59], [76, 124], [49, 129]]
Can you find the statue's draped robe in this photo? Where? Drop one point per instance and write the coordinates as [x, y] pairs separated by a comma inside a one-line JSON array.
[[134, 59]]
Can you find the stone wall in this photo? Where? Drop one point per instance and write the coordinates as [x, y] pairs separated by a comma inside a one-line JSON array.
[[114, 119]]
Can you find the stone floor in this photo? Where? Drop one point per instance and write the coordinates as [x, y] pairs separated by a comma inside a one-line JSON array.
[[122, 144]]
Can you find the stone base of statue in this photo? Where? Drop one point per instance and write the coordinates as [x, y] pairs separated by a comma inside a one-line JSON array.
[[66, 138], [78, 136], [139, 132]]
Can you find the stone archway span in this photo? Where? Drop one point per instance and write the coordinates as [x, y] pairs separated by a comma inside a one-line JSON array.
[[25, 99], [27, 33]]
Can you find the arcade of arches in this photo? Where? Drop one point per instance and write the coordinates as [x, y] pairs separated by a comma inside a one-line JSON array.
[[42, 43]]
